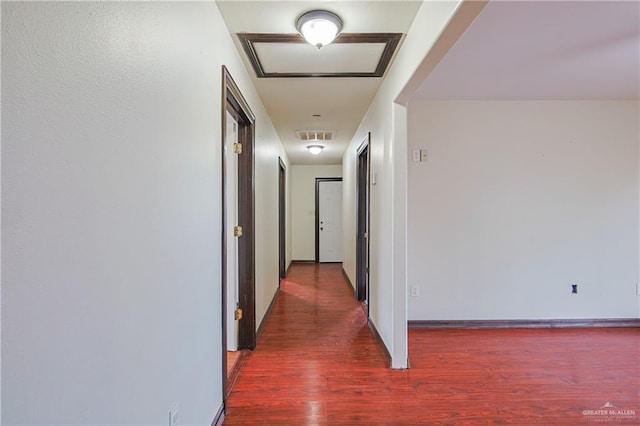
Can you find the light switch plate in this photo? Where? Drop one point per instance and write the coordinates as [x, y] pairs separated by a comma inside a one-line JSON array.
[[415, 291], [424, 155], [415, 155]]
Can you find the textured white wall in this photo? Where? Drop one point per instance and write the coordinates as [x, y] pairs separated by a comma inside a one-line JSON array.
[[289, 218], [268, 148], [0, 227], [111, 210], [386, 122], [303, 207], [518, 201]]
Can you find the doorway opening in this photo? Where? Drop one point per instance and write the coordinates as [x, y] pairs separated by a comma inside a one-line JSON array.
[[363, 221], [282, 234], [328, 220], [238, 248]]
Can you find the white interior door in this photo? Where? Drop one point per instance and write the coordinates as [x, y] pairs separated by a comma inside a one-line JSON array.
[[231, 181], [330, 220]]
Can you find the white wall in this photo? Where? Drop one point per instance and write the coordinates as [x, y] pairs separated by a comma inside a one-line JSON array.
[[111, 212], [386, 121], [303, 207], [1, 174], [518, 201], [268, 148], [288, 215]]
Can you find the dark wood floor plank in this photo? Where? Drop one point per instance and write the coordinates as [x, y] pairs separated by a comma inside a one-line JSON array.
[[318, 363]]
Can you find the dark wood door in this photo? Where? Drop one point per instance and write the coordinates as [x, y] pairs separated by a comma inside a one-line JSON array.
[[282, 214], [363, 238], [234, 103]]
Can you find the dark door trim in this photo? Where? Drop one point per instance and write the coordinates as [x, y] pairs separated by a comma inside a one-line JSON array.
[[318, 181], [282, 217], [363, 189], [234, 102]]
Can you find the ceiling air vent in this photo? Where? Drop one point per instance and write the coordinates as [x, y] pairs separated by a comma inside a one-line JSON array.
[[315, 135]]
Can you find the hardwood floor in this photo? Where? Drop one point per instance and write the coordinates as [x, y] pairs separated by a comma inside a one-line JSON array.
[[232, 358], [318, 363], [235, 363]]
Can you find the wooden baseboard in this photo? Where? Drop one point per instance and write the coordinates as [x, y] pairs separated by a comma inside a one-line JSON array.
[[547, 323], [267, 314], [374, 330], [219, 418], [302, 261], [346, 277]]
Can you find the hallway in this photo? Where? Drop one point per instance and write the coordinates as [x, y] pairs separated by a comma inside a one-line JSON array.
[[315, 358], [317, 362]]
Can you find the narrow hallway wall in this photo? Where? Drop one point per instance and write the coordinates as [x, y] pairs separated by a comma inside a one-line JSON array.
[[386, 121], [111, 210]]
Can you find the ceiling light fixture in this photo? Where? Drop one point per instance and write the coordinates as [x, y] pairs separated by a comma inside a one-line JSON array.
[[315, 149], [319, 27]]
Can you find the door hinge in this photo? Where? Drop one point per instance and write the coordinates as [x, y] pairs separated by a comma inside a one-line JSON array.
[[237, 314], [237, 148], [237, 231]]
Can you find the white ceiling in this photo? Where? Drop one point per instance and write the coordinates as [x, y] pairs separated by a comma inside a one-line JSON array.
[[292, 102], [513, 50], [547, 50]]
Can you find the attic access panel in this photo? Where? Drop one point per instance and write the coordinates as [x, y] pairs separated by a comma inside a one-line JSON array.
[[290, 56]]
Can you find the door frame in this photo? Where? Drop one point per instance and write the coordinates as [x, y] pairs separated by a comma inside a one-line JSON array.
[[282, 218], [230, 215], [318, 181], [363, 221], [234, 102]]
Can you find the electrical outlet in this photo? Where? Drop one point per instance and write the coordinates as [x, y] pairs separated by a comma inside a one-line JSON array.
[[415, 291], [174, 414], [415, 155]]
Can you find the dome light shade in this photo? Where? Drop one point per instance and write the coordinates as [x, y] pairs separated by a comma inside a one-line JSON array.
[[319, 27], [315, 149]]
